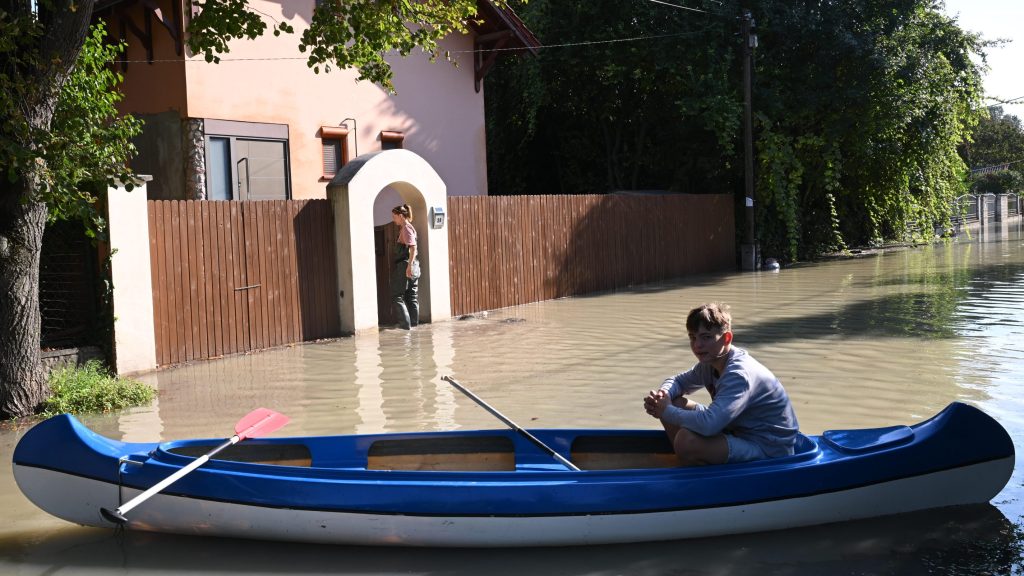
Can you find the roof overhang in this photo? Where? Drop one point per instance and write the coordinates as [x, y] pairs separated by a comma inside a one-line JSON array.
[[499, 31]]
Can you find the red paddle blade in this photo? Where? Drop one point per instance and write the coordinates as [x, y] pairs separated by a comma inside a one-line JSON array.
[[259, 422]]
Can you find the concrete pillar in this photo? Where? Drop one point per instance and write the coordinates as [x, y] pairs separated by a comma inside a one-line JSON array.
[[134, 333], [1002, 208]]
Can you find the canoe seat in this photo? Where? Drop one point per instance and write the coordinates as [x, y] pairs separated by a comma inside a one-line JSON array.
[[253, 453], [868, 440], [623, 452], [469, 453]]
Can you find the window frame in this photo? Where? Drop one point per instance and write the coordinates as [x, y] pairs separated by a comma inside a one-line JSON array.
[[333, 134], [392, 140], [234, 130]]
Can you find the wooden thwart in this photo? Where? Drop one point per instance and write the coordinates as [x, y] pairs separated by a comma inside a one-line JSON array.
[[273, 454], [495, 454], [484, 453], [622, 453]]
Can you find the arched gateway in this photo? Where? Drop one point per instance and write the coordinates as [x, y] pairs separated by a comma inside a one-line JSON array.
[[352, 193]]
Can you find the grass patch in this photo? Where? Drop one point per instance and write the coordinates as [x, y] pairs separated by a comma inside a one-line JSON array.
[[90, 388]]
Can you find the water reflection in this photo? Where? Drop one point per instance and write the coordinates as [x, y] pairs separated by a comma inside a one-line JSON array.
[[141, 425], [872, 341], [444, 362], [368, 383]]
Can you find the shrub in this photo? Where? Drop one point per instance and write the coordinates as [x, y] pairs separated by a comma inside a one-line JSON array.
[[90, 388]]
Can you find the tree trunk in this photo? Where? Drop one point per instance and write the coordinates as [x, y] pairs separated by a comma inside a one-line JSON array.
[[23, 211], [22, 382]]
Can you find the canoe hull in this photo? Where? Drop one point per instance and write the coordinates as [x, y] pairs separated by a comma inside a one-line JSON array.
[[422, 489], [78, 500]]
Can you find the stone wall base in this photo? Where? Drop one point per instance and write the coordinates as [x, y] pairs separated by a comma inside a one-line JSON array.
[[53, 359]]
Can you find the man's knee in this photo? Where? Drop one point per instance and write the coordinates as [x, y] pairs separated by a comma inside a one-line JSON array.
[[692, 449]]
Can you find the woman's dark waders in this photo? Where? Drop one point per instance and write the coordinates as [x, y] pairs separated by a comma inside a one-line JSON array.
[[403, 289]]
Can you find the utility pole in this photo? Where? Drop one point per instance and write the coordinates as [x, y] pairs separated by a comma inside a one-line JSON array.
[[750, 258]]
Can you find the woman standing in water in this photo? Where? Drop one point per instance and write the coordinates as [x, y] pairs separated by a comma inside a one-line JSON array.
[[405, 271]]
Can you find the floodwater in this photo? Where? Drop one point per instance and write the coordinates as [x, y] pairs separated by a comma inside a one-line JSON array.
[[883, 339]]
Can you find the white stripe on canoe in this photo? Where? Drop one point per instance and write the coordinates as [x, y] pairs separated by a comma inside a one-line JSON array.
[[79, 500]]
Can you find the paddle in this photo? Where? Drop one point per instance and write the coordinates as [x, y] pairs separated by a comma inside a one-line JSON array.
[[511, 424], [257, 423]]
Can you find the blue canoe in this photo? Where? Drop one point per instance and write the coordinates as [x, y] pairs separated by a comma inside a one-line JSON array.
[[495, 488]]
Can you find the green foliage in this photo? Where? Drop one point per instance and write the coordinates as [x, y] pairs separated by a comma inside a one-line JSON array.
[[658, 113], [86, 145], [90, 388], [216, 22], [1002, 182], [89, 144], [859, 106], [997, 139], [864, 106], [359, 33], [343, 33], [19, 54]]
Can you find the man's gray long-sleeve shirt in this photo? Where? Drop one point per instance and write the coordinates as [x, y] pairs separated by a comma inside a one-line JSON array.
[[747, 400]]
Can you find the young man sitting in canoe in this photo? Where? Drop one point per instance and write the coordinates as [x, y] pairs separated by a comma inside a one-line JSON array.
[[750, 416]]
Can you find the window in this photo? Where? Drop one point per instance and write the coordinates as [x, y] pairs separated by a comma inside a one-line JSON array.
[[334, 142], [246, 161], [218, 169], [391, 140]]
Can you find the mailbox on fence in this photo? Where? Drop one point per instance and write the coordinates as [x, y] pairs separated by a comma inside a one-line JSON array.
[[437, 217]]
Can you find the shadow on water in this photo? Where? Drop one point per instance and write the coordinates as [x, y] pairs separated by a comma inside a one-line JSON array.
[[967, 540], [932, 308], [930, 304]]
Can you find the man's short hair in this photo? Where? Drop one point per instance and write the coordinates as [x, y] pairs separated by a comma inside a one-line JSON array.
[[713, 316]]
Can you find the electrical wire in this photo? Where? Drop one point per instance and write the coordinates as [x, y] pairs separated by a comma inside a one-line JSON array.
[[477, 51], [1002, 101], [996, 167], [680, 7]]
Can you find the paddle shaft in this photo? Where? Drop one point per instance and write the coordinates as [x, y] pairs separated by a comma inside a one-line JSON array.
[[565, 462], [159, 486], [258, 422]]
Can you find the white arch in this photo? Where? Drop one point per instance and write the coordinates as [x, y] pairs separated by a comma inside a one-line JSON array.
[[352, 193]]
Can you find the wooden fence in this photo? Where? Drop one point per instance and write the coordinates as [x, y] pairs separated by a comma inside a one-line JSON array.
[[518, 249], [231, 277]]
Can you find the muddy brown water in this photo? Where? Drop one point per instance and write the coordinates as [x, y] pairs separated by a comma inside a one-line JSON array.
[[879, 340]]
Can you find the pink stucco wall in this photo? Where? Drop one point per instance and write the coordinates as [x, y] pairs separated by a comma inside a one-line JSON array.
[[267, 80]]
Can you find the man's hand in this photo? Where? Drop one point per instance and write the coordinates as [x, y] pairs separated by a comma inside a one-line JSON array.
[[656, 402]]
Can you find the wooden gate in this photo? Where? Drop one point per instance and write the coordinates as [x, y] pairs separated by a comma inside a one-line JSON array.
[[233, 276], [385, 238]]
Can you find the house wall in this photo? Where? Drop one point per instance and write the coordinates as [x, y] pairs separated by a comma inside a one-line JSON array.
[[149, 88], [267, 80]]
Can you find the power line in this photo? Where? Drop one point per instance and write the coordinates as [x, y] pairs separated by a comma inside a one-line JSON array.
[[680, 7], [477, 51], [1002, 101], [586, 43], [995, 167]]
